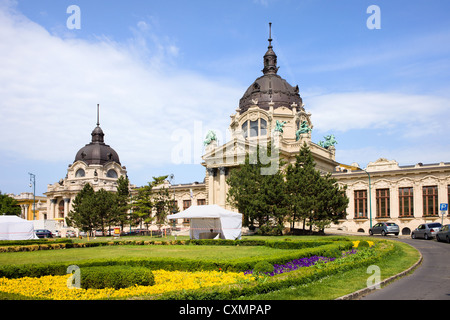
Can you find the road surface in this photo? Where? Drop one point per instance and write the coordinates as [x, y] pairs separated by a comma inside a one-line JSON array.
[[430, 281]]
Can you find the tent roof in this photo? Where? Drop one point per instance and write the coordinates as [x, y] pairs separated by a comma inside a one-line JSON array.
[[9, 218], [206, 211]]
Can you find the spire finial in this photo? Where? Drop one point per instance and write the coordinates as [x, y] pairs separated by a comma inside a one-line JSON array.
[[270, 34], [98, 121]]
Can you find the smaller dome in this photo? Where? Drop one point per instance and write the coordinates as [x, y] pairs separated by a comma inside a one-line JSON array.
[[97, 152]]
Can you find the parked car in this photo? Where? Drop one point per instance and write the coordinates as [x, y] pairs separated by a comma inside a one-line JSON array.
[[70, 234], [426, 230], [385, 228], [43, 233], [56, 234], [444, 234]]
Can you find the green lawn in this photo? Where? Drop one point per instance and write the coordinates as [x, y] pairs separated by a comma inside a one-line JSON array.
[[111, 252]]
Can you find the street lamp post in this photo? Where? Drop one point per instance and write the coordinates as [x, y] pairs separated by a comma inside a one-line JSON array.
[[370, 188], [33, 183]]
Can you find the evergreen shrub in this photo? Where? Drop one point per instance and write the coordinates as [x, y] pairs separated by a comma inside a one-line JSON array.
[[116, 277]]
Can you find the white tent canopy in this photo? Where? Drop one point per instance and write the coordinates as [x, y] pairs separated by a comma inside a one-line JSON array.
[[211, 221], [15, 228]]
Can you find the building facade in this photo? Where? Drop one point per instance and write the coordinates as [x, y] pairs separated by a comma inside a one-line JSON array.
[[407, 195], [97, 164], [31, 207], [271, 110]]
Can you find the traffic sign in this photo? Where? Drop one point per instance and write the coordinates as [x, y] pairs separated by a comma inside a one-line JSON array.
[[443, 207]]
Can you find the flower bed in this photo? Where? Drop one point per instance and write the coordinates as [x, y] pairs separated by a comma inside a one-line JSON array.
[[55, 287], [174, 281], [300, 263]]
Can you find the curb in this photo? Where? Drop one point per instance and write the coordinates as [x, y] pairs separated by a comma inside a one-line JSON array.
[[357, 294]]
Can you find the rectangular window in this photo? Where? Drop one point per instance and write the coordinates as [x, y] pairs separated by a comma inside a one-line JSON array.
[[186, 204], [201, 202], [430, 201], [383, 207], [360, 203], [448, 196], [406, 201]]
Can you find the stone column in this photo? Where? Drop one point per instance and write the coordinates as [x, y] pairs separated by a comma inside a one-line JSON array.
[[210, 185], [26, 206], [222, 187], [52, 208], [66, 207]]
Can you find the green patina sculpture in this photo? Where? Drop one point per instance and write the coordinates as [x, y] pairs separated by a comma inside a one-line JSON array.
[[279, 126], [210, 137], [330, 141], [304, 128]]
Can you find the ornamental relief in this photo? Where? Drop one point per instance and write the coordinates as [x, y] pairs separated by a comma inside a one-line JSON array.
[[383, 184], [429, 180], [405, 182], [359, 185]]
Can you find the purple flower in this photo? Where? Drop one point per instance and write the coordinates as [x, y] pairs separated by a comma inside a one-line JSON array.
[[299, 263]]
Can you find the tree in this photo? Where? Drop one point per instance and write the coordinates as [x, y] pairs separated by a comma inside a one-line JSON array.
[[331, 204], [122, 198], [8, 205], [81, 216], [315, 198], [142, 205], [93, 210], [105, 209], [259, 197], [161, 200], [302, 181]]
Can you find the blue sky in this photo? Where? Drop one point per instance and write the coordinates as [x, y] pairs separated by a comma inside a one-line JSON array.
[[165, 72]]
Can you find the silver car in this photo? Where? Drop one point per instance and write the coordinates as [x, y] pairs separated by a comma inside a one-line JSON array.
[[384, 228], [444, 234], [426, 230]]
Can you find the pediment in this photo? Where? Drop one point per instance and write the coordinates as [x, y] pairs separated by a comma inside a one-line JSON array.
[[231, 153]]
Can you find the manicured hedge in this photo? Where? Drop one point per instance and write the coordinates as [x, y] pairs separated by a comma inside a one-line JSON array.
[[116, 277], [32, 241]]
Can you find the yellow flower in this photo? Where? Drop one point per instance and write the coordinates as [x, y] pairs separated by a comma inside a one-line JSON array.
[[55, 287]]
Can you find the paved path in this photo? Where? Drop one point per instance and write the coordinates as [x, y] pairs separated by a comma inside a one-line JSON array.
[[430, 281]]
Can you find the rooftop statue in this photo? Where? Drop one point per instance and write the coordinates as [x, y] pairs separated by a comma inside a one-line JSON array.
[[330, 141], [279, 126], [304, 128], [210, 137]]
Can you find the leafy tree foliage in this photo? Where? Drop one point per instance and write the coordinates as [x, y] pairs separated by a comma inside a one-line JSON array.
[[259, 197], [81, 216], [122, 200], [8, 205], [315, 197], [300, 193], [153, 202]]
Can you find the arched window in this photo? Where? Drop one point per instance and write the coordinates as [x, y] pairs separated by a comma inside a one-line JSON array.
[[111, 173], [80, 173], [245, 129], [254, 128], [262, 127]]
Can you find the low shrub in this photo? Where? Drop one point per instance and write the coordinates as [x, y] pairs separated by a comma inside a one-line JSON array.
[[116, 277], [363, 244], [263, 267], [333, 253]]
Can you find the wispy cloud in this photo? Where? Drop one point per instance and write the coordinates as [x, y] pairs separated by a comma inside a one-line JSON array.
[[410, 115], [50, 87]]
